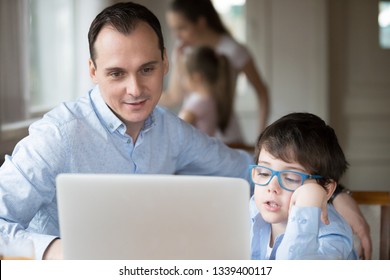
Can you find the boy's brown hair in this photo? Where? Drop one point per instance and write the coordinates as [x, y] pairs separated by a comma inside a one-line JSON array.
[[307, 139]]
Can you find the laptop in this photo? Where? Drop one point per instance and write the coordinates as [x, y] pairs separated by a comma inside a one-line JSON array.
[[146, 217]]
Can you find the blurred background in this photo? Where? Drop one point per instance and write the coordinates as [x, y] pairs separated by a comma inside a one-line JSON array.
[[327, 57]]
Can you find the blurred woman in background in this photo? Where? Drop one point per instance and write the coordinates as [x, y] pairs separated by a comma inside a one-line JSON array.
[[195, 23]]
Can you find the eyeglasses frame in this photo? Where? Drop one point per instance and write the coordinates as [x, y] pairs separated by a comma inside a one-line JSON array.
[[304, 176]]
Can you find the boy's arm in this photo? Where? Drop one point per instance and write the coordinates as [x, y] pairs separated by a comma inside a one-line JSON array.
[[311, 195], [306, 237], [302, 239]]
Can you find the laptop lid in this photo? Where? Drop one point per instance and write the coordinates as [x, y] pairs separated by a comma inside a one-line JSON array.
[[107, 216]]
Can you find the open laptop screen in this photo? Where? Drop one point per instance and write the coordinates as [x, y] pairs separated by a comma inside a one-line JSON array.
[[111, 216]]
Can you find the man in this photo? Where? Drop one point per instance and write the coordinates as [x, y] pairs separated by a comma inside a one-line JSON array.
[[115, 128]]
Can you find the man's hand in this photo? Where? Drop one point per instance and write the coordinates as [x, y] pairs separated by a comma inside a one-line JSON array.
[[54, 251], [349, 209]]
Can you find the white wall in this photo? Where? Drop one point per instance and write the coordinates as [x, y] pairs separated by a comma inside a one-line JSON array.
[[360, 92], [288, 40]]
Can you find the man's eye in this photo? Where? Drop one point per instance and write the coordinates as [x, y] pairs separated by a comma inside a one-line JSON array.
[[116, 74], [147, 70]]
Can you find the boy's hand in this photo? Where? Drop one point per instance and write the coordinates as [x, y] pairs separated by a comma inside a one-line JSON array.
[[311, 195]]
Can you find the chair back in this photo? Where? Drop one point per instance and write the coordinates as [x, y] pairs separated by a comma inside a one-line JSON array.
[[381, 199]]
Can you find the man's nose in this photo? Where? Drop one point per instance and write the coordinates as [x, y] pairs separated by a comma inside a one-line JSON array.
[[133, 86]]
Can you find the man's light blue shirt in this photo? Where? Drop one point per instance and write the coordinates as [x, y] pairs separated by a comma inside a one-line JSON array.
[[86, 137], [306, 237]]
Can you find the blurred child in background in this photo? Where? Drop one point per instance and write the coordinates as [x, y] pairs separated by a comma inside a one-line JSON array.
[[209, 104]]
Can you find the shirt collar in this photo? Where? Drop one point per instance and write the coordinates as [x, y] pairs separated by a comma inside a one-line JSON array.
[[253, 211], [109, 119], [149, 122]]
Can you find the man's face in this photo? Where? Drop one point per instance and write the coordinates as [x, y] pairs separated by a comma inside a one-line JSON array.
[[129, 71]]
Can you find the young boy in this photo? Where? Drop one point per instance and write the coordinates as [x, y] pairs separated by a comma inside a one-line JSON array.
[[299, 163]]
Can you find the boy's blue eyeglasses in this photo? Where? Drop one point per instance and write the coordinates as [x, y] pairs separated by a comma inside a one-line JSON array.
[[288, 179]]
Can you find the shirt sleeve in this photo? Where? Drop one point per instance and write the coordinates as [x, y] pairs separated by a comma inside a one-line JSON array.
[[307, 238], [27, 185], [204, 155]]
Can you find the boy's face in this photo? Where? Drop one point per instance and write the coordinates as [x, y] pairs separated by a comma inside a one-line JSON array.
[[130, 71], [272, 201]]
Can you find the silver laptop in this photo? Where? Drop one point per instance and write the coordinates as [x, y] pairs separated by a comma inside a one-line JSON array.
[[142, 217]]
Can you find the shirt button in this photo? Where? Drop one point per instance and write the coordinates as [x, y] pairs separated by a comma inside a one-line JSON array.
[[111, 125], [302, 221], [128, 141]]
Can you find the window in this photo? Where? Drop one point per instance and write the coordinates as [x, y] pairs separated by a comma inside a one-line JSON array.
[[44, 56], [51, 54], [384, 24], [232, 13], [44, 59], [39, 56]]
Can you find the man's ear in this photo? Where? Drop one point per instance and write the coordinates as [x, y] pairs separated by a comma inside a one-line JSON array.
[[330, 188], [165, 61], [92, 71]]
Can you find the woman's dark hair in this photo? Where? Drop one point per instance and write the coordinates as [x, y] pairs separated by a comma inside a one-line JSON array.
[[308, 140], [195, 9], [215, 70], [124, 17]]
